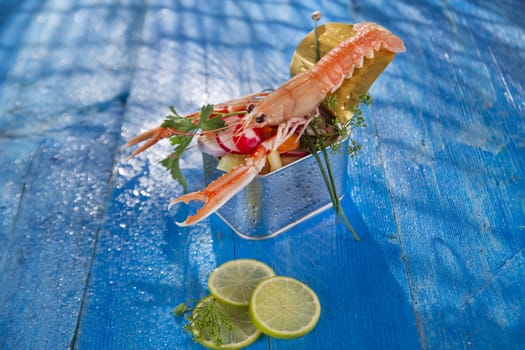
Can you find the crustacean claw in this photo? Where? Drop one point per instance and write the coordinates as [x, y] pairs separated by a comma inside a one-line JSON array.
[[228, 185], [220, 191], [151, 137]]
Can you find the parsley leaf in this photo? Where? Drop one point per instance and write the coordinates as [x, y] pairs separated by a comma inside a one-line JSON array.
[[186, 127], [172, 164], [207, 122], [176, 122]]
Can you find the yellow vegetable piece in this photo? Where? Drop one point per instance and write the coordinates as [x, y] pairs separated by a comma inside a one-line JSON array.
[[230, 161]]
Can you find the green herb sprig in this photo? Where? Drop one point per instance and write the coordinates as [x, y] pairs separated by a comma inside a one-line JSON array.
[[319, 143], [186, 130], [206, 320], [327, 174], [357, 121]]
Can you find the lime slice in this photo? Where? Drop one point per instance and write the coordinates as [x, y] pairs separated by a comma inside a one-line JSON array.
[[283, 307], [233, 282], [221, 326]]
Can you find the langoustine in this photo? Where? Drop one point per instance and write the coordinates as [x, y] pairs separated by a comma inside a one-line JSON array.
[[289, 109]]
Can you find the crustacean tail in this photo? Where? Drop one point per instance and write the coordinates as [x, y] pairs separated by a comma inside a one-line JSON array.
[[303, 93]]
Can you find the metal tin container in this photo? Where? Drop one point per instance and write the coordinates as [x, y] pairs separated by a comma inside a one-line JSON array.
[[275, 202]]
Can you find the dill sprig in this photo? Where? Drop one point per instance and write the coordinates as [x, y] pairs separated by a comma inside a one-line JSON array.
[[331, 101], [206, 320], [358, 121], [353, 148], [181, 309]]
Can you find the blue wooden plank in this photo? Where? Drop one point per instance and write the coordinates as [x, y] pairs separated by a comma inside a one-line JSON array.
[[59, 129], [145, 265], [452, 163], [437, 194], [227, 56], [47, 250]]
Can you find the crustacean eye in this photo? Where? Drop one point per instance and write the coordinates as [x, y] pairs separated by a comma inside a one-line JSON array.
[[260, 118]]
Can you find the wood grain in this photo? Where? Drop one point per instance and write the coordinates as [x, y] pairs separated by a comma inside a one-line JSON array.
[[90, 257]]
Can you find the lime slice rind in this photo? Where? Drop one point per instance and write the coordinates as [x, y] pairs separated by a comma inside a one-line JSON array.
[[234, 281], [278, 306], [274, 310], [242, 334]]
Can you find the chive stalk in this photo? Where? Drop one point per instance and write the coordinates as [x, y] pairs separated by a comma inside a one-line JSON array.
[[316, 16], [328, 178]]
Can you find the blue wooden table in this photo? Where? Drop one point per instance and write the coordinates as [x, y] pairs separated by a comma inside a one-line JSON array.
[[90, 256]]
